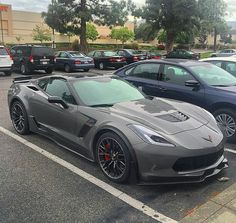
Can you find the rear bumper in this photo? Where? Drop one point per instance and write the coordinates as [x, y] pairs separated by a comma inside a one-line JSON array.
[[83, 66], [2, 69], [116, 64], [41, 66]]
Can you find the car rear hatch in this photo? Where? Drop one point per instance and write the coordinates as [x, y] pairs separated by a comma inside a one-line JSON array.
[[5, 58], [42, 56], [83, 60]]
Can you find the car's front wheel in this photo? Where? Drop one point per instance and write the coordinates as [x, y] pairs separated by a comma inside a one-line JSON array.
[[19, 118], [226, 118], [113, 157]]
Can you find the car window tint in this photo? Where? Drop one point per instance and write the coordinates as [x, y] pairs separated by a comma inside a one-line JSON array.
[[121, 53], [231, 67], [42, 83], [98, 54], [217, 63], [19, 51], [129, 71], [63, 55], [59, 88], [91, 54], [175, 75], [147, 70], [42, 51]]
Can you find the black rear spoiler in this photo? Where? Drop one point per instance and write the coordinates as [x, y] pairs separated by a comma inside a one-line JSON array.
[[21, 79]]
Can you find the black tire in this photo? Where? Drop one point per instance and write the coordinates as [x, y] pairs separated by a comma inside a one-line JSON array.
[[226, 119], [101, 66], [117, 158], [24, 69], [86, 70], [19, 118], [8, 73], [67, 68], [49, 70]]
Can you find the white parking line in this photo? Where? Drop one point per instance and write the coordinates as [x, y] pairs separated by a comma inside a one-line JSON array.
[[230, 150], [112, 190]]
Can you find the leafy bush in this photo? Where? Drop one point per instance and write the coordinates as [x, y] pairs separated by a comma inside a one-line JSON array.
[[133, 46]]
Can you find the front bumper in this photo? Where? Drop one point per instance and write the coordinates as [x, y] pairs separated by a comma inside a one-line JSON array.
[[158, 165]]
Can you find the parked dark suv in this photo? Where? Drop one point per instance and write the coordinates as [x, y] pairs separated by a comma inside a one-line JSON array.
[[28, 58]]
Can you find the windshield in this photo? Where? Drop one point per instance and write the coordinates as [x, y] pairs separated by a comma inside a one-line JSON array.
[[213, 75], [110, 53], [42, 51], [76, 54], [106, 91]]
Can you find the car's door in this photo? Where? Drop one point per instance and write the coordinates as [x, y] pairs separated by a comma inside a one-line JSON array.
[[172, 80], [144, 76], [62, 59]]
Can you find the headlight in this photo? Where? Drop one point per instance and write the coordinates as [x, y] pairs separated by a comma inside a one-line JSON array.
[[150, 136]]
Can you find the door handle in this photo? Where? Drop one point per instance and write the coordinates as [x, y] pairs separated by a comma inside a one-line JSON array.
[[162, 88]]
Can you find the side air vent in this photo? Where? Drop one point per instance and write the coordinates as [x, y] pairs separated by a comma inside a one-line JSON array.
[[174, 117], [32, 88]]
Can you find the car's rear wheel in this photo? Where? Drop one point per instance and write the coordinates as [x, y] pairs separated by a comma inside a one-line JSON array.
[[113, 157], [19, 118], [101, 66], [8, 73], [67, 68], [49, 70], [226, 118]]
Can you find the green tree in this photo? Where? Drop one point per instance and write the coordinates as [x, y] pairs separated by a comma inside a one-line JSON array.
[[91, 32], [72, 15], [40, 33], [170, 15], [145, 32], [123, 34], [212, 12]]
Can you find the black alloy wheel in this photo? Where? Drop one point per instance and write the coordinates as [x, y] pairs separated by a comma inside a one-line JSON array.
[[113, 157], [19, 118]]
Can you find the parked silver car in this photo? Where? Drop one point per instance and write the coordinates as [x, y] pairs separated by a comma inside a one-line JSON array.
[[224, 53]]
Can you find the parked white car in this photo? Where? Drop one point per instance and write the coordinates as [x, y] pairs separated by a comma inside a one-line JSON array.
[[224, 53], [6, 61], [226, 63]]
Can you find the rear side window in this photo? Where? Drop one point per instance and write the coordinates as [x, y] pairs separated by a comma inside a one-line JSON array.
[[42, 51], [3, 51], [147, 71]]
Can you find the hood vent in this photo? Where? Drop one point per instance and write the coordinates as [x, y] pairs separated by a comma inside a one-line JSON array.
[[174, 117]]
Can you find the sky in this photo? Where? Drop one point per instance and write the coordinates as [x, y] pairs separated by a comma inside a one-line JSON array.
[[41, 5]]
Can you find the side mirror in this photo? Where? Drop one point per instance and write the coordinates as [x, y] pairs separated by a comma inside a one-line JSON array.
[[192, 83], [55, 99]]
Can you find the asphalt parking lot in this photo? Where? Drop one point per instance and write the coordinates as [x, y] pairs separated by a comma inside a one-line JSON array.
[[43, 188]]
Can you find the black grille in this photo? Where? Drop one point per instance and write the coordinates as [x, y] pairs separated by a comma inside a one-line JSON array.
[[198, 162], [174, 117]]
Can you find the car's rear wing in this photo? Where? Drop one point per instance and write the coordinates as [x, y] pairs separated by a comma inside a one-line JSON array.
[[21, 79]]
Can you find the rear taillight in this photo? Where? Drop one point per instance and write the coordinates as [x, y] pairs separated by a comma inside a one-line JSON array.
[[9, 53], [123, 59], [113, 60], [31, 59], [135, 58], [77, 62]]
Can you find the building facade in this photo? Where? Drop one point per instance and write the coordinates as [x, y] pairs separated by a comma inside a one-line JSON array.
[[17, 26]]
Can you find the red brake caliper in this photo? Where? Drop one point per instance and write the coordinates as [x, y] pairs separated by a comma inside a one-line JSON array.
[[107, 155]]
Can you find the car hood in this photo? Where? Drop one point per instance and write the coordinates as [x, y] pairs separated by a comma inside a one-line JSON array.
[[167, 116], [230, 89]]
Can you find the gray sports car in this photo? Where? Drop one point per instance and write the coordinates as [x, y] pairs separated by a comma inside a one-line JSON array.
[[109, 121]]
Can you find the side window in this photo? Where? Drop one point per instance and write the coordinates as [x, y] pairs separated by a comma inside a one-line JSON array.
[[42, 83], [91, 54], [121, 53], [98, 54], [63, 55], [59, 88], [148, 71], [217, 63], [230, 67], [176, 75]]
